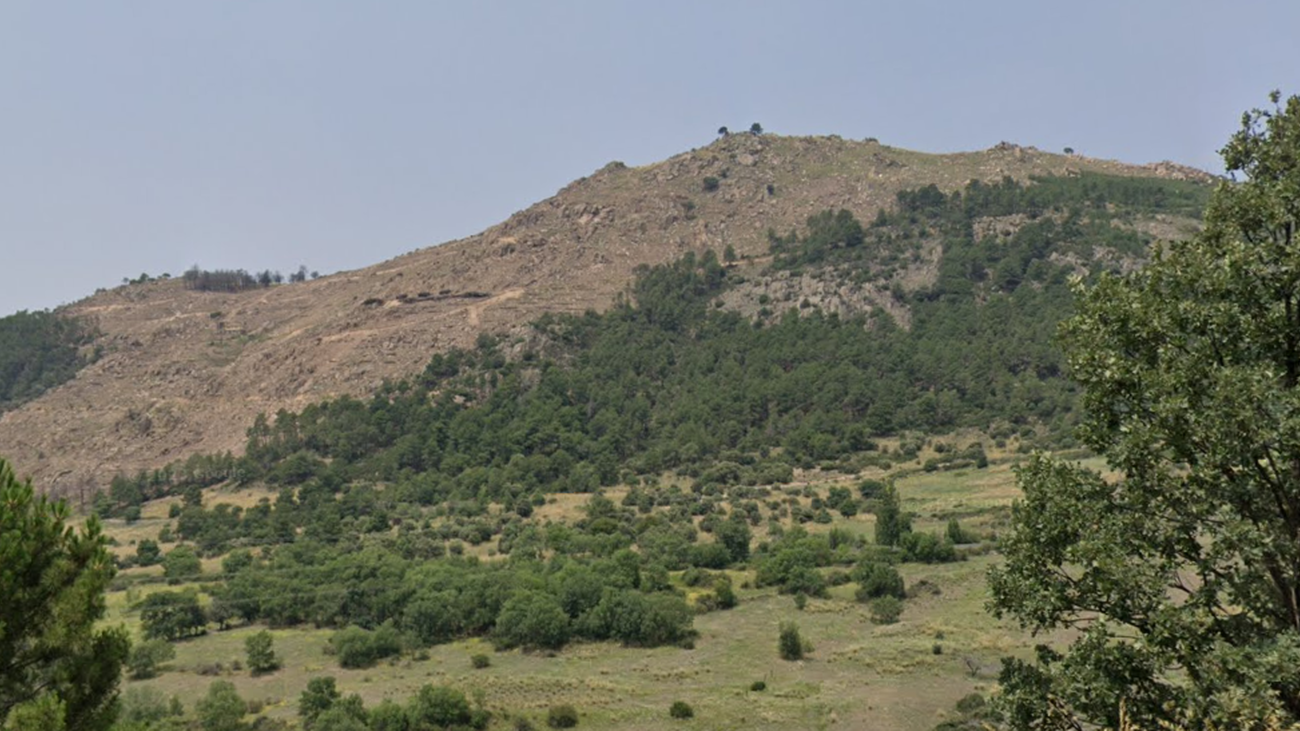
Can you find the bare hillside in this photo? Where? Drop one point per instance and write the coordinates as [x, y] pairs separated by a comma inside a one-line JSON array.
[[187, 371]]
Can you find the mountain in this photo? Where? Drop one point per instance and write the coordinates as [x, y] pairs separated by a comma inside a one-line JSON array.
[[182, 371]]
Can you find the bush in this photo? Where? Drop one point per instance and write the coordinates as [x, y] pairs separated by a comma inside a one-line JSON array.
[[790, 643], [480, 661], [758, 686], [886, 610], [681, 709], [695, 576], [970, 704], [180, 564], [563, 716], [145, 658], [360, 648], [927, 548], [877, 580], [260, 653], [320, 694], [438, 705], [221, 709], [958, 535], [532, 619], [143, 705], [147, 553], [711, 184], [726, 595], [871, 489]]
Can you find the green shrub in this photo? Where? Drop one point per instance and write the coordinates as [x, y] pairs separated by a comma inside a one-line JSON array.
[[360, 648], [871, 489], [181, 563], [480, 661], [562, 716], [790, 643], [532, 619], [886, 610], [145, 658], [758, 686], [958, 535], [711, 184], [971, 703], [695, 576], [726, 595], [681, 709], [927, 548], [221, 709], [438, 705], [877, 580], [259, 649]]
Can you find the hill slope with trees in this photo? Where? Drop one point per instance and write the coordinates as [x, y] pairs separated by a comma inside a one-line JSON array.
[[185, 370]]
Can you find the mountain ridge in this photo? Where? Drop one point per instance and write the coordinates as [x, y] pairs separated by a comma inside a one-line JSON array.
[[185, 371]]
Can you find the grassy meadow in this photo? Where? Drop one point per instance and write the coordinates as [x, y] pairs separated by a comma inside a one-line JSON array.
[[906, 675]]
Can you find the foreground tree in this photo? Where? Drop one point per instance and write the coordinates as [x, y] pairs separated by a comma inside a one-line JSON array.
[[1182, 574], [52, 581]]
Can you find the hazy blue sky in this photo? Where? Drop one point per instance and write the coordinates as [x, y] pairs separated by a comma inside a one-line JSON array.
[[145, 136]]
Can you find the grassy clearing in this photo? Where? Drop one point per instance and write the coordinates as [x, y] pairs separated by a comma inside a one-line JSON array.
[[860, 675]]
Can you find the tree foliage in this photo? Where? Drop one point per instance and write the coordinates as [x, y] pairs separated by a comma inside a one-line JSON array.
[[52, 582], [233, 280], [181, 563], [789, 642], [438, 706], [146, 656], [259, 648], [319, 696], [221, 709], [38, 351], [532, 619], [1182, 574], [172, 615]]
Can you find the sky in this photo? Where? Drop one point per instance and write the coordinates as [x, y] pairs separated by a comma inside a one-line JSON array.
[[146, 136]]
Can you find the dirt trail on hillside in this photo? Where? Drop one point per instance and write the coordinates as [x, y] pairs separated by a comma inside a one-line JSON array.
[[475, 310]]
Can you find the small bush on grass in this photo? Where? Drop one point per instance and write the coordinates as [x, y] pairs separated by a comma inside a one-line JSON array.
[[886, 610], [563, 716], [790, 643]]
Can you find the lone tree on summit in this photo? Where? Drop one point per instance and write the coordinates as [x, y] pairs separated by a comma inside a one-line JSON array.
[[756, 129], [1182, 575]]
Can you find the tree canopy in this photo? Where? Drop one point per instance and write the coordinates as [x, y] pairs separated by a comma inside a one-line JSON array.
[[52, 580], [38, 351], [1182, 574]]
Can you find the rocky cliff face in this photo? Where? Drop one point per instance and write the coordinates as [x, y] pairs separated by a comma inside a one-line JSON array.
[[186, 371]]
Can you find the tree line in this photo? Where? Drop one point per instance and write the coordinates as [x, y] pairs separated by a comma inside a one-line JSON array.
[[237, 280]]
